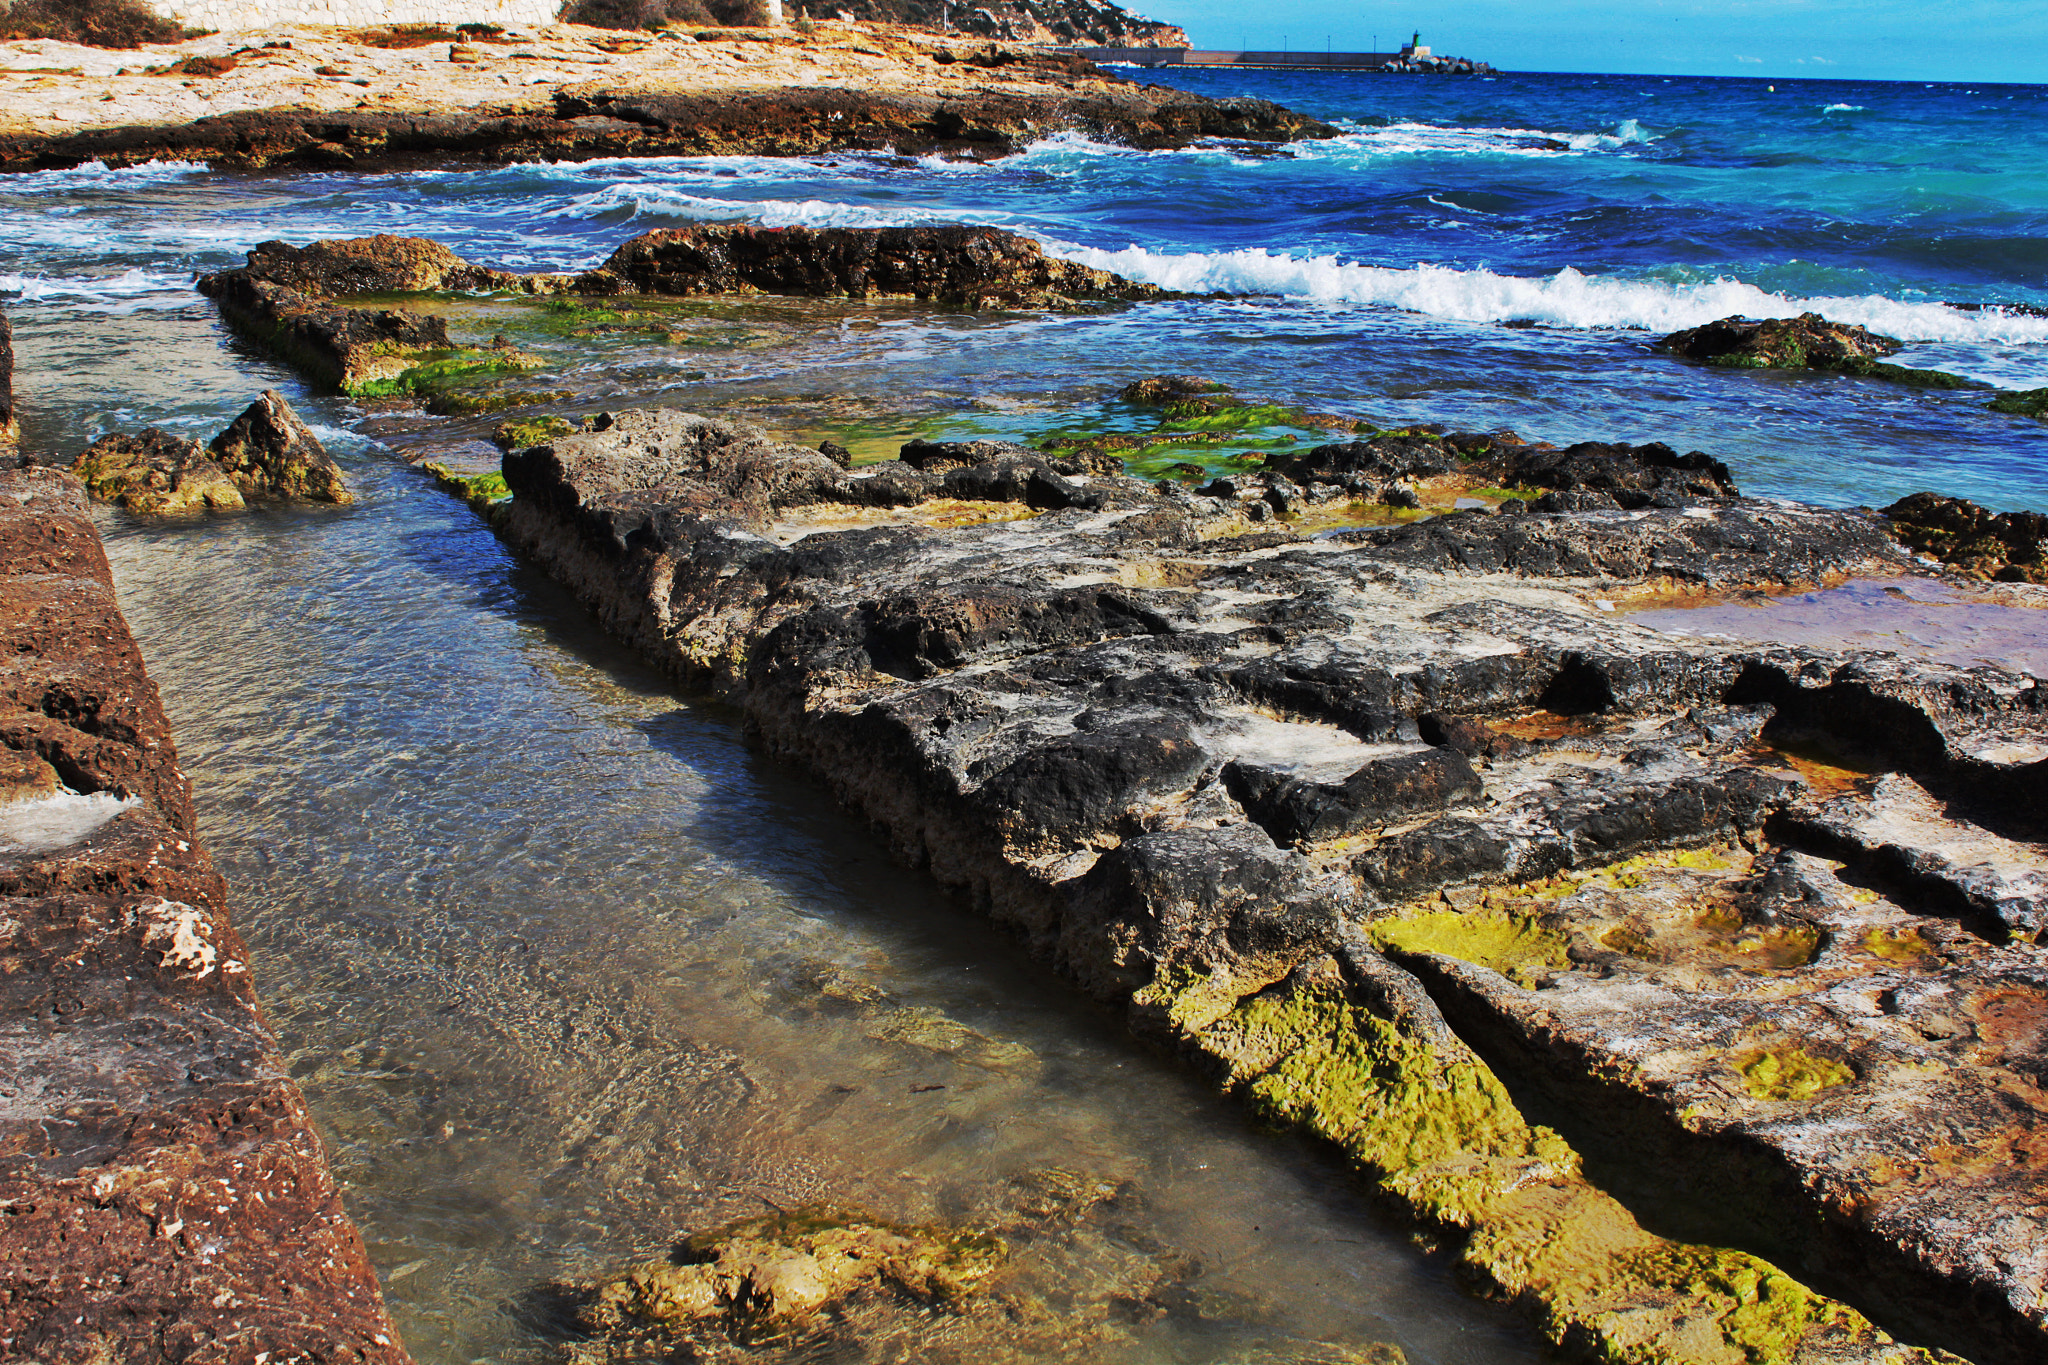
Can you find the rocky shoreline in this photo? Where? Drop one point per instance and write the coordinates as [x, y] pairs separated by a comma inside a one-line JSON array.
[[1685, 991], [533, 97], [166, 1195]]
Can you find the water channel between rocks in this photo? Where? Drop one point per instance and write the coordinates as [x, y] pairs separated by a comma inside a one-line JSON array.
[[564, 970]]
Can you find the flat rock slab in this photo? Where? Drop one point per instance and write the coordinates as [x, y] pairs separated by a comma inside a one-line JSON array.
[[1322, 813], [166, 1196]]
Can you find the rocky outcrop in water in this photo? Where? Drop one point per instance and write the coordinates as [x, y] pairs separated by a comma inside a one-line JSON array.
[[267, 452], [295, 300], [588, 123], [2022, 403], [961, 267], [155, 472], [1807, 342], [1408, 840], [2011, 547], [167, 1198]]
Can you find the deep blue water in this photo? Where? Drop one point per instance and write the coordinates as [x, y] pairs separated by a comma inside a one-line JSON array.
[[1380, 271]]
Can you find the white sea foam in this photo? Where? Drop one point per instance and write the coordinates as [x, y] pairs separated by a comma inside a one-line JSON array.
[[1432, 139], [99, 172], [49, 823], [128, 290], [1842, 109], [636, 199], [1568, 298]]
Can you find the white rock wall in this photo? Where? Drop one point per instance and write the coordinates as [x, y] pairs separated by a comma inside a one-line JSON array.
[[228, 15]]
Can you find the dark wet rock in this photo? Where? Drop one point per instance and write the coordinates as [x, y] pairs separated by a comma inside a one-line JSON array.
[[167, 1196], [2011, 547], [944, 455], [1180, 393], [587, 122], [836, 453], [351, 349], [155, 472], [1365, 467], [2022, 403], [1807, 342], [1624, 476], [1297, 810], [961, 267], [10, 428], [1188, 765], [268, 451]]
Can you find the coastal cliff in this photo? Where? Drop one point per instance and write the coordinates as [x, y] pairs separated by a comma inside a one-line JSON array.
[[167, 1196]]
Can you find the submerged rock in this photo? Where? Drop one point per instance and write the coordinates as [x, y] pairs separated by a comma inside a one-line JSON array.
[[268, 451], [2022, 403], [962, 267], [2011, 547], [156, 472], [1807, 342], [788, 1266], [1260, 790]]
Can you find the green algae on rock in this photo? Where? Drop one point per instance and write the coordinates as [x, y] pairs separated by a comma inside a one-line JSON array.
[[1807, 342], [155, 473], [1790, 1072], [2022, 403]]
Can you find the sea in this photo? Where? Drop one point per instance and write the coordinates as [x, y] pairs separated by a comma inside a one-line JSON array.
[[566, 970]]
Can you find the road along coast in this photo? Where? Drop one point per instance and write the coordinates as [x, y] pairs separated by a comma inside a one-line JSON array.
[[295, 98], [1687, 991], [166, 1196]]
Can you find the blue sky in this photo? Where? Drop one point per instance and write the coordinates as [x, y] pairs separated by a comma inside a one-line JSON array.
[[1964, 40]]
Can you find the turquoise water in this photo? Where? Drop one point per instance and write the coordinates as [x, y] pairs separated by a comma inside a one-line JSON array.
[[1486, 253]]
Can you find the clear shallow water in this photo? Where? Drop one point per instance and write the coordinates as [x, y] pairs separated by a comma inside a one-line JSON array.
[[564, 971]]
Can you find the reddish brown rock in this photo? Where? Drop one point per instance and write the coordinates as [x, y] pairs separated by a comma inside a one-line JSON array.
[[166, 1197]]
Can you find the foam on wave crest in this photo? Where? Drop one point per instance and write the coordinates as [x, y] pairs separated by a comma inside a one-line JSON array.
[[99, 172], [1434, 139], [1569, 298], [128, 290], [636, 200]]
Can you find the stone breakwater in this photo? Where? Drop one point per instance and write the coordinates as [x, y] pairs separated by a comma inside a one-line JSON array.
[[165, 1195], [324, 99], [1695, 1047]]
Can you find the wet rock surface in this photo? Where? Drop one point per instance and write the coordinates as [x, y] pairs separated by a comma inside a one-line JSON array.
[[2010, 547], [266, 452], [154, 472], [1308, 808], [1807, 342], [167, 1198], [965, 267]]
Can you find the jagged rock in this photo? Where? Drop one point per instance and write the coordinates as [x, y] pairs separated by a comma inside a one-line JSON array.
[[156, 472], [1807, 342], [2011, 547], [166, 1192], [1622, 476], [963, 267], [10, 429], [381, 264], [268, 451], [1195, 770]]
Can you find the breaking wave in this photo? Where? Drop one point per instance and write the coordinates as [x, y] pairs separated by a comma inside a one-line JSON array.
[[644, 200], [128, 290], [1568, 298]]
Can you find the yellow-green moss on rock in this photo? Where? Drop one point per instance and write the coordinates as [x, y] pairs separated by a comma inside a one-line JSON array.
[[1516, 946], [1790, 1072]]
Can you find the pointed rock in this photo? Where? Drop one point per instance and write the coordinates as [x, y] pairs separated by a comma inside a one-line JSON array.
[[269, 452], [9, 431]]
